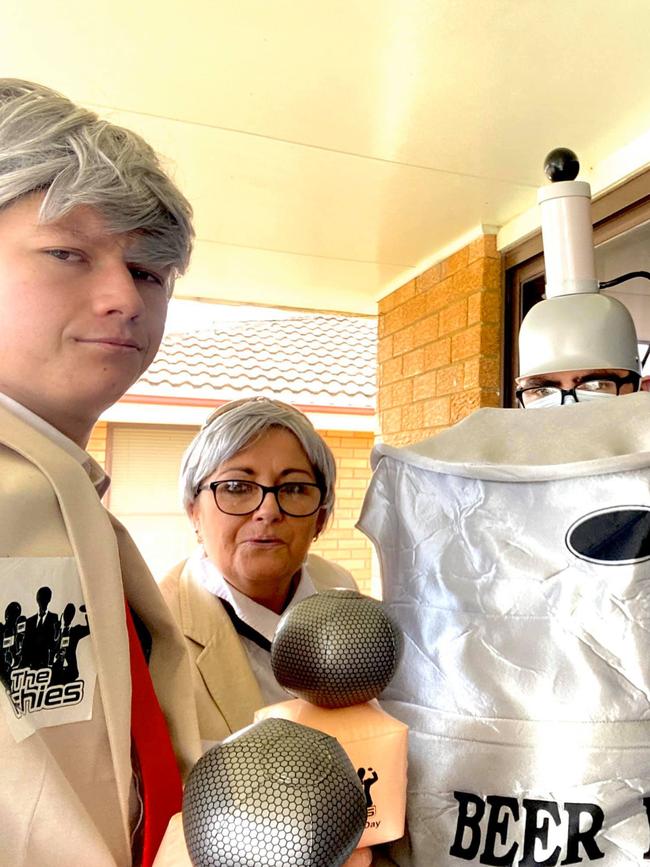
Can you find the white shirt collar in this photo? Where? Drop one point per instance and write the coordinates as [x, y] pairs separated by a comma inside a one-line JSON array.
[[96, 474], [258, 617]]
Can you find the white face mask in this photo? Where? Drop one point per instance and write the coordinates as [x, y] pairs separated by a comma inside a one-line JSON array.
[[584, 396]]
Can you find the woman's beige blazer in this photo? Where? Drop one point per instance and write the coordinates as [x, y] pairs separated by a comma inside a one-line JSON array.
[[225, 689]]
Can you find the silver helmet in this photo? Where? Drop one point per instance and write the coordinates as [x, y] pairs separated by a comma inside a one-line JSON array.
[[575, 328], [577, 332]]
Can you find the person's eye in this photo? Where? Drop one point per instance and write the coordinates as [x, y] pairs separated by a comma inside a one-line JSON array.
[[65, 255], [296, 489], [236, 487], [598, 385], [144, 275], [539, 392]]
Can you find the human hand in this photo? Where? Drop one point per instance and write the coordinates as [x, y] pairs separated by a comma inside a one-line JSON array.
[[360, 858]]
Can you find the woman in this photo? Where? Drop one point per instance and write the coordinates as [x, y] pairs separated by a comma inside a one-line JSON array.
[[258, 486]]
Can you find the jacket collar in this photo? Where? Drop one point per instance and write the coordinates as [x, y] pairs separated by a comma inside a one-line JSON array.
[[223, 662]]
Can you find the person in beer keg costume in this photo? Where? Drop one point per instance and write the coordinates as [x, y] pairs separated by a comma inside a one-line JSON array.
[[515, 557]]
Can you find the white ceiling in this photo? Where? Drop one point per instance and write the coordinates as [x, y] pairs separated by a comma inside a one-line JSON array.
[[332, 148]]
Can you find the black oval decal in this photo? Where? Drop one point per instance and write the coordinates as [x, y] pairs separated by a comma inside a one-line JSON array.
[[612, 536]]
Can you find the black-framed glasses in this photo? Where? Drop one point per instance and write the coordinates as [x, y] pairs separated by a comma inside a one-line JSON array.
[[588, 388], [241, 497]]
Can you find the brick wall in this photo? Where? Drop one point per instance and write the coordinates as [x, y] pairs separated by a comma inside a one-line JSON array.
[[96, 447], [439, 350], [340, 541]]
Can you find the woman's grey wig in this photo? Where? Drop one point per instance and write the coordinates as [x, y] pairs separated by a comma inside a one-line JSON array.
[[50, 145], [237, 425]]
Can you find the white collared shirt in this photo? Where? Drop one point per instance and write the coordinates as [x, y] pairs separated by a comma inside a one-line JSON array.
[[256, 616], [96, 474]]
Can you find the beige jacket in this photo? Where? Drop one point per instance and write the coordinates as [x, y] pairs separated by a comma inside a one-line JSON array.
[[225, 689], [64, 793]]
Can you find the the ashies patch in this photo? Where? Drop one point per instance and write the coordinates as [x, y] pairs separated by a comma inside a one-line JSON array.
[[46, 664]]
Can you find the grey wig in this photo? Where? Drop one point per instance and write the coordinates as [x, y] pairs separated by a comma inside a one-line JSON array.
[[50, 145], [237, 425]]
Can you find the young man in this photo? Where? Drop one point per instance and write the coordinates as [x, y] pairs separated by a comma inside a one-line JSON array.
[[576, 348], [92, 236]]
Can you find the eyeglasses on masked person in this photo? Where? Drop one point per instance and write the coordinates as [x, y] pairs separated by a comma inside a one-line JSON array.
[[594, 387]]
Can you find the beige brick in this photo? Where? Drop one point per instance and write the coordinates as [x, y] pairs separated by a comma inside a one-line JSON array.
[[490, 340], [350, 463], [491, 397], [436, 412], [386, 397], [413, 363], [467, 343], [404, 293], [403, 341], [456, 262], [491, 306], [424, 386], [415, 309], [98, 442], [463, 404], [425, 331], [428, 278], [344, 502], [384, 349], [393, 321], [391, 420], [412, 416], [351, 441], [472, 372], [490, 372], [387, 303], [352, 565], [403, 392], [453, 318], [450, 379], [440, 295], [390, 371], [356, 543], [437, 354], [484, 247], [493, 274], [474, 308], [471, 279], [345, 533]]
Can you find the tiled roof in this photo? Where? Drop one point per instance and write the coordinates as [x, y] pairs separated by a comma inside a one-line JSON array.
[[310, 360]]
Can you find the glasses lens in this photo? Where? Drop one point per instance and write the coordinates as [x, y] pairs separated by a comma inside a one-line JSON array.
[[542, 395], [237, 497], [598, 386], [299, 499]]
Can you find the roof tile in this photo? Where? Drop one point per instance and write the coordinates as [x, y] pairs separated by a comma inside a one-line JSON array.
[[310, 360]]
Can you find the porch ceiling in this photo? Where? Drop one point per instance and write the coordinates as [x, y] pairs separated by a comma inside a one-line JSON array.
[[332, 148]]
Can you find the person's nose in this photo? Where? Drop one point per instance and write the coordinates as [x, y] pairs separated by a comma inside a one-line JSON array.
[[268, 510], [116, 292]]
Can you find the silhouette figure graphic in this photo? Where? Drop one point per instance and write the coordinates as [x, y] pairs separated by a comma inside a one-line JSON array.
[[65, 668], [367, 782], [12, 633], [41, 633]]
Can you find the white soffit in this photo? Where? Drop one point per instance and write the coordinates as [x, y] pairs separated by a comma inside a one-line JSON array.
[[330, 148]]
